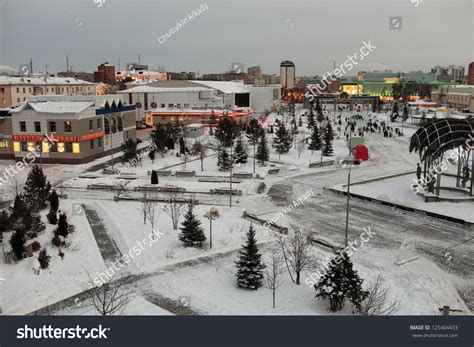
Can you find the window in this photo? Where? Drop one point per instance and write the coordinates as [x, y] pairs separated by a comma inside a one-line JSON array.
[[91, 124], [16, 146], [106, 126], [68, 147], [170, 105], [130, 99], [120, 124], [17, 90], [52, 127], [30, 146], [163, 105], [178, 105], [24, 90], [29, 90], [99, 142], [38, 127], [76, 148], [99, 125], [186, 105], [3, 144], [113, 125], [92, 143], [23, 127], [67, 127], [18, 99], [2, 90], [126, 135], [24, 146]]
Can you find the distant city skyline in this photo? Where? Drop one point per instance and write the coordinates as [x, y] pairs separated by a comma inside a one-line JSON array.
[[263, 33]]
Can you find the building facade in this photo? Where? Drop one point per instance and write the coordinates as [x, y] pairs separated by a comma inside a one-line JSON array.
[[287, 74], [105, 74], [470, 74], [460, 97], [71, 130], [15, 90]]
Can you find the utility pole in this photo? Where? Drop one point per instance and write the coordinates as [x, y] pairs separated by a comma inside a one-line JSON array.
[[254, 145], [67, 63], [230, 178], [350, 162]]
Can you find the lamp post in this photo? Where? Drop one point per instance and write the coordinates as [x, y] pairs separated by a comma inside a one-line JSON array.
[[212, 214], [1, 294], [230, 173], [349, 162]]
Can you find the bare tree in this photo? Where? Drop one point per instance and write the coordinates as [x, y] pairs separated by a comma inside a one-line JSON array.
[[60, 188], [377, 302], [145, 205], [153, 214], [110, 298], [273, 274], [295, 249], [120, 188], [15, 186], [174, 207]]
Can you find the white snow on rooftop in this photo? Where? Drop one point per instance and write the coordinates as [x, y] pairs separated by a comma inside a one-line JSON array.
[[149, 89], [43, 80], [225, 87], [56, 107]]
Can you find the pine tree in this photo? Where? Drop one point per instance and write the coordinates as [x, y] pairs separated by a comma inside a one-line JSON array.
[[44, 259], [311, 117], [227, 130], [4, 221], [63, 226], [52, 217], [283, 140], [319, 111], [223, 160], [192, 234], [151, 154], [36, 189], [263, 152], [249, 265], [316, 143], [328, 137], [37, 226], [154, 177], [240, 150], [129, 149], [17, 242], [340, 283], [300, 122], [18, 209], [53, 201]]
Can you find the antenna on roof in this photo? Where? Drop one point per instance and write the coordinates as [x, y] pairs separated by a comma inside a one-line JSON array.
[[139, 60], [31, 66], [67, 63]]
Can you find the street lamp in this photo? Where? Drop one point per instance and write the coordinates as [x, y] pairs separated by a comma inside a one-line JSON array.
[[349, 162], [212, 214]]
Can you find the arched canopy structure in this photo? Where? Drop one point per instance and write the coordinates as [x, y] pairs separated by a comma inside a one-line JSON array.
[[437, 137]]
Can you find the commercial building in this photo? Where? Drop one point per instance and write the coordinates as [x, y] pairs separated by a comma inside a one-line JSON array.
[[451, 73], [287, 74], [140, 75], [105, 74], [68, 130], [202, 95], [6, 145], [460, 97], [15, 90], [470, 74]]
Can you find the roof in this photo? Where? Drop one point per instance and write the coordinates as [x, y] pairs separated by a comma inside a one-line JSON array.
[[287, 63], [55, 107], [150, 89], [42, 80], [224, 87]]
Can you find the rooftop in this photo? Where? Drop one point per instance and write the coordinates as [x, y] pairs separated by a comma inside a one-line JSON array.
[[42, 81]]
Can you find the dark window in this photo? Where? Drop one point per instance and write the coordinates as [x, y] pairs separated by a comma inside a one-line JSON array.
[[23, 127], [52, 127], [53, 146], [130, 100], [67, 127], [37, 127], [146, 101], [99, 142], [24, 146], [106, 126], [113, 125], [68, 147], [120, 124], [99, 125], [92, 144], [91, 125]]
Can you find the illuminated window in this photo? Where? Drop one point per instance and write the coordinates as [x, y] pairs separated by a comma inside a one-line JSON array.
[[3, 144], [31, 147], [46, 145], [61, 147], [76, 148], [16, 146]]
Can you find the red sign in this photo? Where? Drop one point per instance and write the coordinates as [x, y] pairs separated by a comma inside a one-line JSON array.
[[362, 153], [55, 138]]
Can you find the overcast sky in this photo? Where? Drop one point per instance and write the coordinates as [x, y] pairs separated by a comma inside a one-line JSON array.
[[312, 34]]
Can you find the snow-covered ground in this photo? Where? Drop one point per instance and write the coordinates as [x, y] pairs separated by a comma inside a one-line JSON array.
[[208, 276]]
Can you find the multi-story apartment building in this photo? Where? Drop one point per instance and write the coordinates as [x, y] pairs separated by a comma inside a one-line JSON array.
[[70, 130], [6, 145], [456, 96], [15, 90]]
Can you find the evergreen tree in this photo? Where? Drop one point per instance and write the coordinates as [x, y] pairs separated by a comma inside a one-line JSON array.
[[224, 161], [37, 226], [53, 201], [316, 143], [44, 259], [283, 140], [52, 217], [263, 152], [328, 137], [63, 226], [129, 149], [154, 177], [254, 131], [319, 111], [249, 265], [311, 122], [36, 189], [405, 113], [151, 154], [340, 283], [17, 242], [300, 122], [192, 234], [4, 221], [227, 130], [240, 150], [161, 137]]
